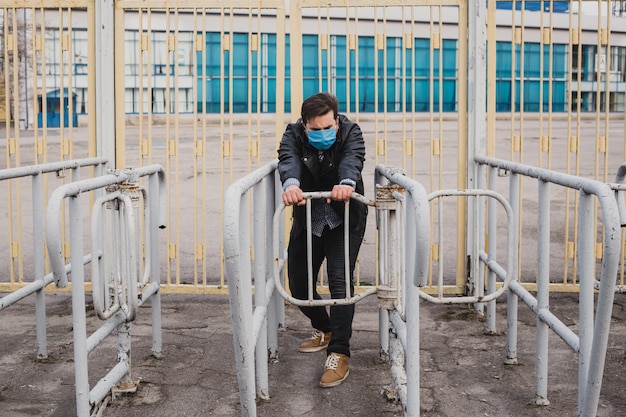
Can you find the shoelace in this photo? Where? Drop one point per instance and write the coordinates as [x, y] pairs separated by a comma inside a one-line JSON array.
[[319, 334], [332, 361]]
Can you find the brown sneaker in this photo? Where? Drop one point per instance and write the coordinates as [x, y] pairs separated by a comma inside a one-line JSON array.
[[335, 370], [315, 343]]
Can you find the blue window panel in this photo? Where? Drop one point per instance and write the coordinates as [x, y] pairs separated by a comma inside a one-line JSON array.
[[310, 61], [271, 98], [422, 57], [449, 95], [503, 95], [366, 73], [395, 82], [449, 74], [408, 96], [270, 47], [340, 56], [240, 95], [449, 58], [310, 65], [557, 6], [503, 60], [559, 61], [213, 51], [422, 95], [240, 54], [532, 62], [366, 56], [287, 73], [254, 104], [208, 69], [341, 89], [559, 96], [531, 96]]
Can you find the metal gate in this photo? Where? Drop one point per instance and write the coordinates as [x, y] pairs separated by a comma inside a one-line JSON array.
[[205, 89]]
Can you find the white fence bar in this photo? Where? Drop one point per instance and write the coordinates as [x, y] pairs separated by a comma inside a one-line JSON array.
[[40, 280], [246, 319], [591, 344], [488, 259], [89, 401], [279, 259], [415, 215], [409, 247]]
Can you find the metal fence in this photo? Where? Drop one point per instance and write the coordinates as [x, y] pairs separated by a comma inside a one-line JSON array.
[[123, 278], [18, 287], [205, 89]]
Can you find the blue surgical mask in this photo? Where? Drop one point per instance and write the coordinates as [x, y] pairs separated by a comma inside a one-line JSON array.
[[322, 139]]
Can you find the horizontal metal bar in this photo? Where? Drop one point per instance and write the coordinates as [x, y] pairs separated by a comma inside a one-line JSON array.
[[278, 262], [105, 330], [260, 311], [118, 318], [34, 286], [105, 385], [399, 326], [26, 171], [553, 322], [53, 213]]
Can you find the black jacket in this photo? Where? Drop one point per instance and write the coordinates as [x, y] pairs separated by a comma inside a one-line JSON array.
[[344, 160]]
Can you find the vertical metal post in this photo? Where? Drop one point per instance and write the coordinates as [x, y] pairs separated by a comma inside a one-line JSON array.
[[490, 323], [346, 248], [586, 267], [279, 302], [476, 108], [78, 308], [39, 266], [124, 348], [272, 308], [543, 292], [259, 207], [248, 367], [412, 350], [383, 313], [155, 267], [512, 298], [393, 267], [309, 251], [105, 80]]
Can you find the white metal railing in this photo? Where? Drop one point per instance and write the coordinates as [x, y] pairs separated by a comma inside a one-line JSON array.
[[40, 279], [255, 324], [115, 286], [281, 258], [591, 342], [402, 217]]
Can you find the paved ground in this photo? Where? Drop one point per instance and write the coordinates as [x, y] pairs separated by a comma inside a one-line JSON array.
[[462, 370]]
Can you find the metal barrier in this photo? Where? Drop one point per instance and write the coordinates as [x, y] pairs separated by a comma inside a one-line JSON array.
[[403, 221], [279, 262], [114, 274], [401, 205], [591, 342], [255, 325], [40, 279], [619, 188]]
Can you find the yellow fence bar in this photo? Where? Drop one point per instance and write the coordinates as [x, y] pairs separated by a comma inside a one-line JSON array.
[[200, 149]]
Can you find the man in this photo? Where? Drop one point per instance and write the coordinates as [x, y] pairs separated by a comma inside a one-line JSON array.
[[324, 151]]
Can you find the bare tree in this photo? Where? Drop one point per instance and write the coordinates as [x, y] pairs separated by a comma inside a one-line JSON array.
[[15, 61]]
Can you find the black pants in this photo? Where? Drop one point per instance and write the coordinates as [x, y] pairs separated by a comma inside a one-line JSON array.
[[331, 247]]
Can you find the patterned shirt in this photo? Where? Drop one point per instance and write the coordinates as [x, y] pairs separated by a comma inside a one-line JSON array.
[[322, 214]]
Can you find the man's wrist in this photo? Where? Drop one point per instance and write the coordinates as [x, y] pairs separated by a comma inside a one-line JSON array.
[[289, 182], [348, 181]]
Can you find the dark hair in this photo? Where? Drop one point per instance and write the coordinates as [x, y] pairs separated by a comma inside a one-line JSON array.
[[318, 105]]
